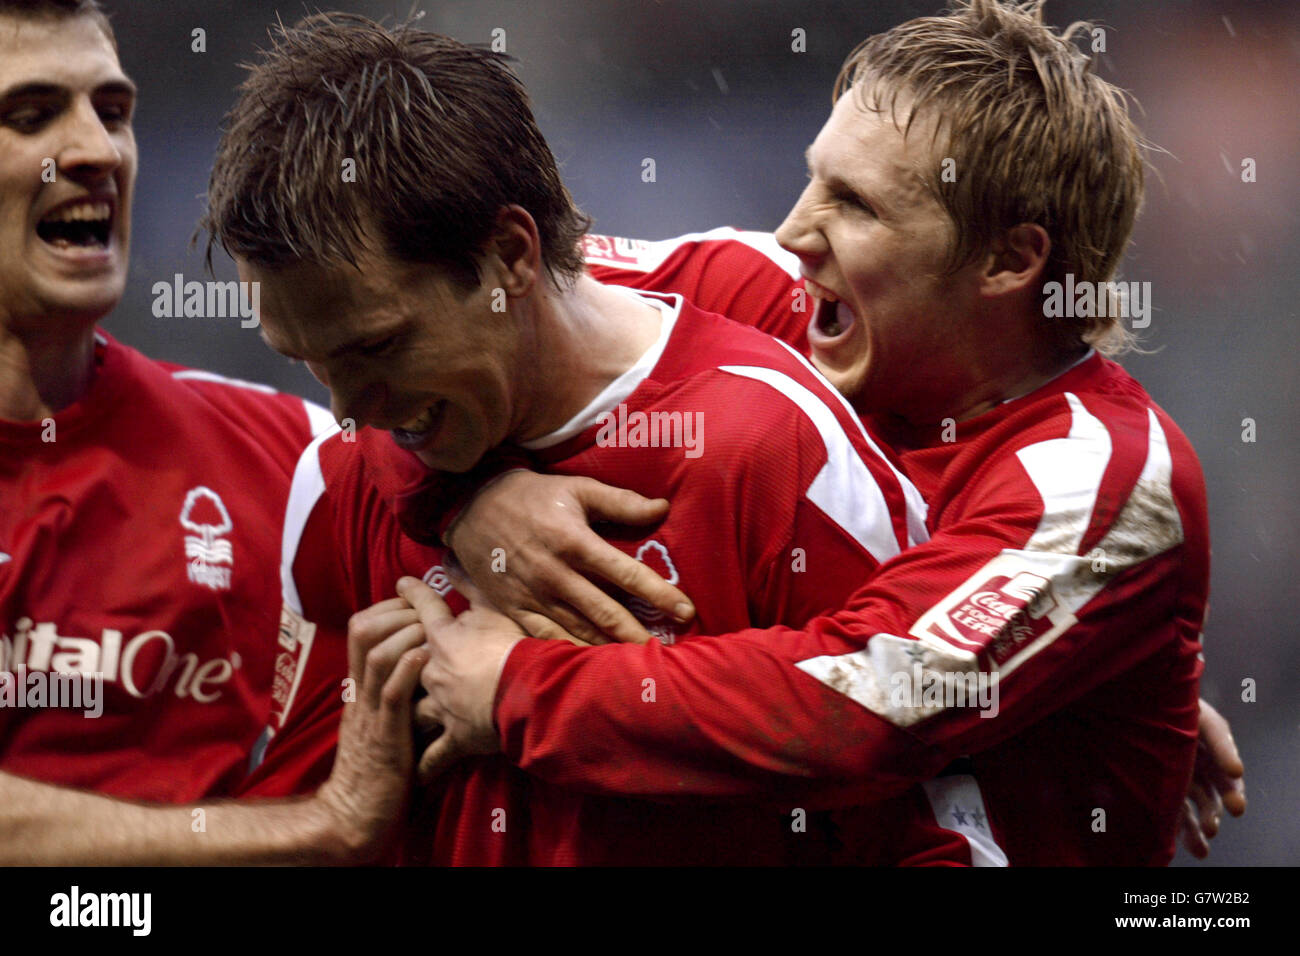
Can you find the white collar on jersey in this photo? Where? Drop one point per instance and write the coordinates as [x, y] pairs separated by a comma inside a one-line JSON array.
[[617, 391]]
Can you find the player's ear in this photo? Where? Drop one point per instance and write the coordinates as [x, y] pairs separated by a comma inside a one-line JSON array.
[[1016, 261], [514, 252]]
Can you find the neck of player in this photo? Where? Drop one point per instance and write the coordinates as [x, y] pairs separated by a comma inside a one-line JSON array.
[[43, 370], [591, 334], [998, 355]]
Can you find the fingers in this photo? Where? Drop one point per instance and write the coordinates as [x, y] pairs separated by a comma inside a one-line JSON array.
[[428, 720], [1233, 793], [566, 605], [1219, 765], [1209, 808], [1194, 840], [432, 609], [607, 503], [381, 661], [558, 622], [383, 607], [539, 626], [1217, 735], [369, 627], [608, 618], [437, 758], [523, 597], [631, 576], [398, 691], [467, 588]]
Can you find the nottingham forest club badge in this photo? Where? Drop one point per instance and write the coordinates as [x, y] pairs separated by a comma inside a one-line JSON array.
[[209, 556], [656, 557]]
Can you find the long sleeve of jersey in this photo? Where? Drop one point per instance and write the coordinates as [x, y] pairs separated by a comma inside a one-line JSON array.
[[1064, 585]]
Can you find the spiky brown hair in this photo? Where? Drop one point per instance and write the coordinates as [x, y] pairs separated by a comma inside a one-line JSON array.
[[1035, 134], [441, 134]]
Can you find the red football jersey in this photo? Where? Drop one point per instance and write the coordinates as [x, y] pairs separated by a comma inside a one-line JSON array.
[[139, 540], [1067, 569], [780, 508]]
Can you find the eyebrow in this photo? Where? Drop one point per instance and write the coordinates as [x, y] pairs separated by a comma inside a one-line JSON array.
[[39, 90], [871, 197], [353, 346]]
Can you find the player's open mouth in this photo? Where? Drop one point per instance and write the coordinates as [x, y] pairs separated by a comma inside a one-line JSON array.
[[832, 318], [78, 225], [420, 431]]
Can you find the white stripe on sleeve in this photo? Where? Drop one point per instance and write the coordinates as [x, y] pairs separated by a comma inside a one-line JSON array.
[[1031, 595]]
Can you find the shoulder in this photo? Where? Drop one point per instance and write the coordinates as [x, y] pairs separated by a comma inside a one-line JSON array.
[[755, 388], [736, 247], [1102, 423], [220, 414], [335, 514], [258, 406], [744, 275], [357, 472], [1107, 465], [332, 464], [768, 422]]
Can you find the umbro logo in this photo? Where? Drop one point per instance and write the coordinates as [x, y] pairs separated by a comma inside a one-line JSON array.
[[5, 557]]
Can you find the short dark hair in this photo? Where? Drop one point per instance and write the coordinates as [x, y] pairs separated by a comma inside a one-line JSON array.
[[58, 9], [441, 134]]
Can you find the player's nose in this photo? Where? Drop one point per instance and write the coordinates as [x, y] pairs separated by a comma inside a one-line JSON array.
[[799, 233], [90, 151], [356, 404]]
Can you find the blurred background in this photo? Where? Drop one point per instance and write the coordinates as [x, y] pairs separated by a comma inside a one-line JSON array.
[[714, 93]]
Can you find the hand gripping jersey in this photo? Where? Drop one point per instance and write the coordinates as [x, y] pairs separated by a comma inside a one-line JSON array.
[[1062, 589], [780, 508], [139, 541]]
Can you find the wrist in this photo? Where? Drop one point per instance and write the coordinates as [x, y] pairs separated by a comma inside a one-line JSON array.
[[454, 516], [332, 837], [495, 691]]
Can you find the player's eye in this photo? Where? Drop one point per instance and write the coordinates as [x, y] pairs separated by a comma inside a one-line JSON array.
[[854, 201], [381, 347], [115, 114], [28, 118]]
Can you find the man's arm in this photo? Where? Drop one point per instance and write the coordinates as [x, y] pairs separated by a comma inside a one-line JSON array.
[[350, 819], [45, 825], [775, 693], [555, 504]]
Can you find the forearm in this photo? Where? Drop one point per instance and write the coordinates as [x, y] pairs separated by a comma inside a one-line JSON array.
[[835, 711], [43, 824], [712, 720]]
